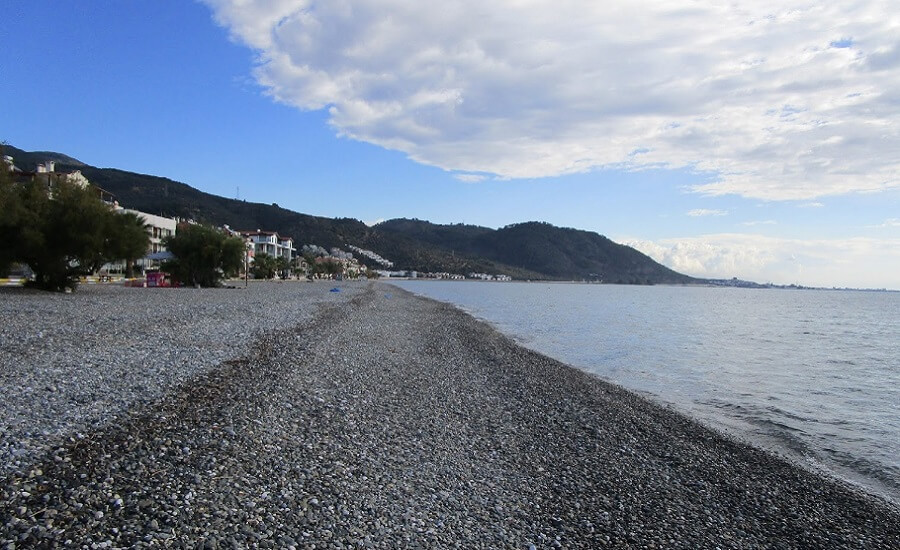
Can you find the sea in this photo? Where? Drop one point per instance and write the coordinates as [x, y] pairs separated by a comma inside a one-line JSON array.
[[811, 375]]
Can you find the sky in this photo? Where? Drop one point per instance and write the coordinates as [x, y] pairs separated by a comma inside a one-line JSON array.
[[758, 140]]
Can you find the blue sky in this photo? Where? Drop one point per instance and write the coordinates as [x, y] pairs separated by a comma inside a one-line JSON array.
[[760, 143]]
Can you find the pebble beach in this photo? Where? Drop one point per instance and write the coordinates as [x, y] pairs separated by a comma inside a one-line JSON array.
[[284, 415]]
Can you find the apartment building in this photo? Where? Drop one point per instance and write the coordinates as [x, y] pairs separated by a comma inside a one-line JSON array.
[[271, 243]]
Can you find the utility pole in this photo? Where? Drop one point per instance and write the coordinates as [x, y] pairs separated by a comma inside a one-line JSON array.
[[246, 265]]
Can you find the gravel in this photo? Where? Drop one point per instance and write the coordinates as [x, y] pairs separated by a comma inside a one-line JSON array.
[[367, 418], [70, 362]]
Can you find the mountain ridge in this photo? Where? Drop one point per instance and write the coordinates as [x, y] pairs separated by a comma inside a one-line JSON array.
[[528, 250]]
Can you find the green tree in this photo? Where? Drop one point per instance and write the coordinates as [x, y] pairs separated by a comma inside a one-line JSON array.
[[127, 239], [204, 255], [12, 218], [328, 266], [283, 267], [62, 232], [264, 266]]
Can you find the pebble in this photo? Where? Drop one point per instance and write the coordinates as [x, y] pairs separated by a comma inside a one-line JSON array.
[[352, 420]]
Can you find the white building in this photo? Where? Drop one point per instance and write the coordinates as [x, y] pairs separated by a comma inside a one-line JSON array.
[[49, 168], [158, 227], [10, 165], [271, 243]]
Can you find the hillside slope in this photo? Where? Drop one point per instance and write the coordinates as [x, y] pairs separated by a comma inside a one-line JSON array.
[[553, 252], [530, 250]]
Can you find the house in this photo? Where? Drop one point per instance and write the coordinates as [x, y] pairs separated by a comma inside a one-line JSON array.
[[10, 165], [47, 174], [271, 243]]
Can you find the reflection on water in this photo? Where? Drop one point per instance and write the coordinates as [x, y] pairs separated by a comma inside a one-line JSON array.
[[812, 374]]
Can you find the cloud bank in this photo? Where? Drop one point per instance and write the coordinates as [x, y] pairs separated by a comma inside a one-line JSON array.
[[779, 100], [781, 261]]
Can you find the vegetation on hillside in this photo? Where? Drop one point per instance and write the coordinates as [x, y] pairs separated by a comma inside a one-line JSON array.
[[525, 251], [542, 249]]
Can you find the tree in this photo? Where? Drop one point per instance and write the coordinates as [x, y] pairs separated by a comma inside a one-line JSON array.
[[204, 255], [283, 267], [12, 220], [328, 266], [127, 239], [60, 232], [264, 266]]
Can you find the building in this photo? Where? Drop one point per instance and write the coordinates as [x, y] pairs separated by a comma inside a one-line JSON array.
[[47, 174], [10, 165], [271, 243], [158, 227], [49, 168]]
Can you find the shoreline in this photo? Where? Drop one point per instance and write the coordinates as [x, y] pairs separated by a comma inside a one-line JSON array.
[[863, 459], [386, 420]]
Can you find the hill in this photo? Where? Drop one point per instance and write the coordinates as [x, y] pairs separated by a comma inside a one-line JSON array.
[[531, 250], [537, 247], [29, 160]]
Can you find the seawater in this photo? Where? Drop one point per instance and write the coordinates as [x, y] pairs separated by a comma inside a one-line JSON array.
[[812, 375]]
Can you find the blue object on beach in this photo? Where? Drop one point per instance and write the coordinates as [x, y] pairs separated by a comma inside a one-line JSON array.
[[335, 289], [388, 295]]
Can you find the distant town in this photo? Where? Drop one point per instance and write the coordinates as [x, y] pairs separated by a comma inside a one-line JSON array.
[[311, 261], [270, 254]]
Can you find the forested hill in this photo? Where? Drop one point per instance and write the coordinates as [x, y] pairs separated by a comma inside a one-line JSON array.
[[525, 251], [165, 197], [555, 252]]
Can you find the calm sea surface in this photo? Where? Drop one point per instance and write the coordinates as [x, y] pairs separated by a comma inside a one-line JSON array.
[[814, 375]]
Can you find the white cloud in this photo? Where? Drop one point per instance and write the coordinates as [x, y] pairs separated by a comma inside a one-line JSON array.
[[372, 223], [470, 178], [812, 205], [760, 222], [781, 261], [890, 222], [699, 212], [786, 99]]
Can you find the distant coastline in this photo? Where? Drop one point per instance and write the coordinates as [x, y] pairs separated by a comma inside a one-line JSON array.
[[723, 283]]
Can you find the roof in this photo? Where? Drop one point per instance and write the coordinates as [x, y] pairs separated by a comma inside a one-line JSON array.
[[260, 232]]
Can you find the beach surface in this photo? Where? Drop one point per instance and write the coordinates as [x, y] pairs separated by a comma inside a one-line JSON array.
[[286, 415]]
